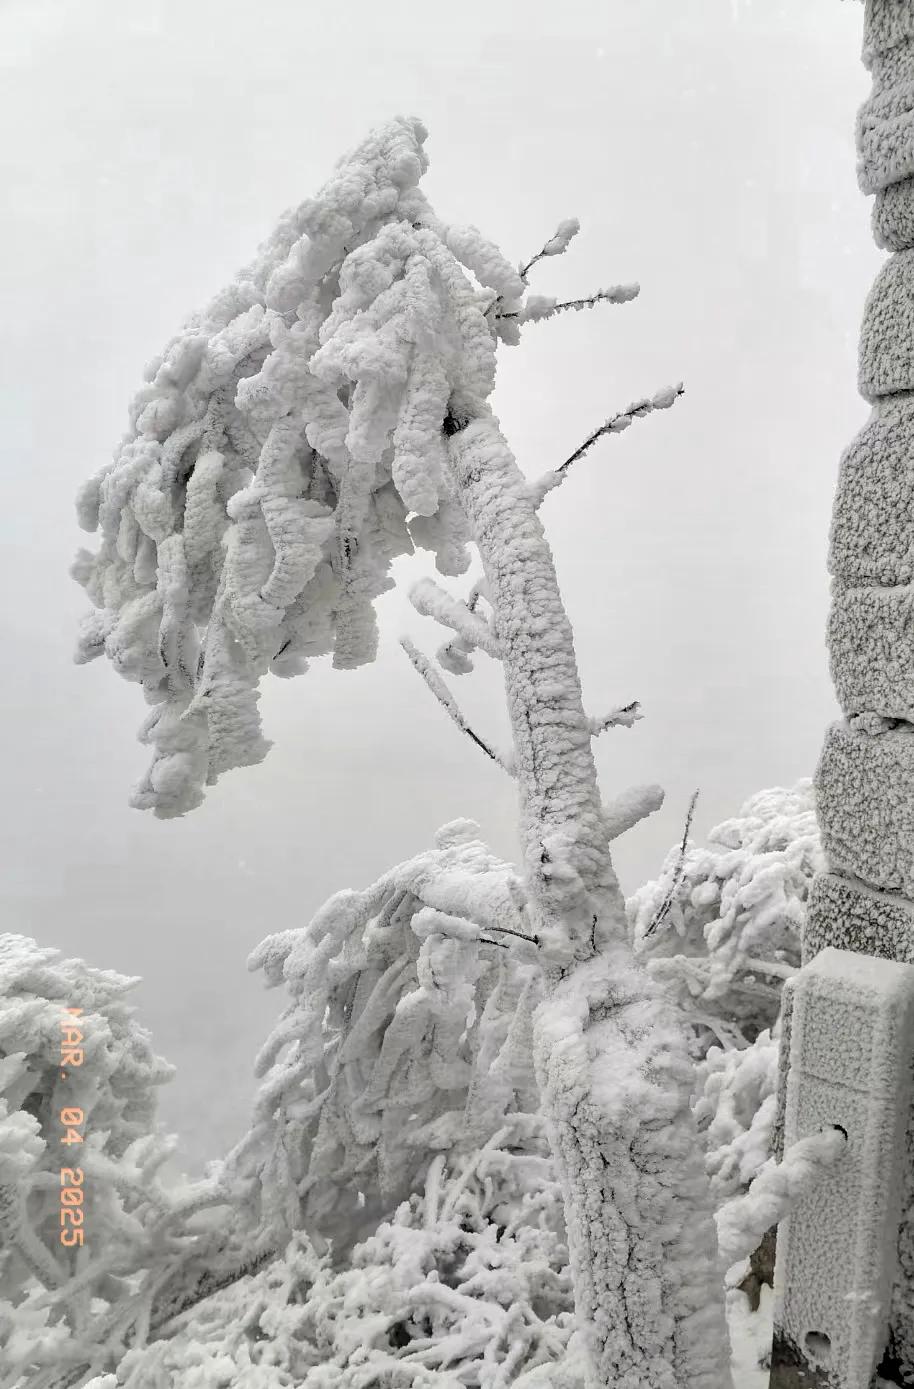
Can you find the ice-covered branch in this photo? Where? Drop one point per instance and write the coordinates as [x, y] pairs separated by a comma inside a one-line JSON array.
[[431, 921], [557, 244], [454, 655], [742, 1222], [622, 717], [540, 306], [630, 807], [616, 424], [432, 601], [444, 697], [677, 876]]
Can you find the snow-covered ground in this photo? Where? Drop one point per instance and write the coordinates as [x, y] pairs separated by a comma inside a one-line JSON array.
[[750, 1338]]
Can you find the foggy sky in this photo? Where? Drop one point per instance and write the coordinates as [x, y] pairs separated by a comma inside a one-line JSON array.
[[707, 148]]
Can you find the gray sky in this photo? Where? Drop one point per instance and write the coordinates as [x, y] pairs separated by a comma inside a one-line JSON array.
[[707, 147]]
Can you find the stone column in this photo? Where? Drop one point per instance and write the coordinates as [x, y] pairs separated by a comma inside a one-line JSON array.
[[865, 777]]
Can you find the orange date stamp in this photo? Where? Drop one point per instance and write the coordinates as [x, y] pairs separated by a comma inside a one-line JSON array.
[[72, 1120]]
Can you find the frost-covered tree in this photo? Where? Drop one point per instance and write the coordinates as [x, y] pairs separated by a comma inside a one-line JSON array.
[[327, 412]]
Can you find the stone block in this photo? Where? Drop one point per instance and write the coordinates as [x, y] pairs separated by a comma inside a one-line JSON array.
[[885, 137], [864, 786], [871, 650], [892, 219], [887, 333], [851, 1047], [872, 539], [886, 25], [851, 916]]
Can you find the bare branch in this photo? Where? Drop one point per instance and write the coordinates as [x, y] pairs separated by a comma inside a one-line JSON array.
[[614, 425], [444, 697], [617, 423], [506, 931], [677, 876], [623, 717]]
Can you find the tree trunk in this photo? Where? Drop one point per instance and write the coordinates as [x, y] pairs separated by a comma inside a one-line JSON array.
[[612, 1064]]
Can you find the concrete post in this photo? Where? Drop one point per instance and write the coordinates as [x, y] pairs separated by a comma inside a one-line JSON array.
[[850, 1067]]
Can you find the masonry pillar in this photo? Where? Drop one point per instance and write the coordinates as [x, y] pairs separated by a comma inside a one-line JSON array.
[[865, 778]]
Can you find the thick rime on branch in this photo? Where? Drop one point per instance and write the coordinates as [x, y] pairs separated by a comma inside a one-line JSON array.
[[742, 1222], [250, 516], [323, 415]]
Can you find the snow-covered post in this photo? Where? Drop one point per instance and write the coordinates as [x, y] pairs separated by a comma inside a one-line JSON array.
[[865, 779], [851, 1046]]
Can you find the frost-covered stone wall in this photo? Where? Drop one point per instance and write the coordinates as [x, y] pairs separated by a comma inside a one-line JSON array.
[[865, 779]]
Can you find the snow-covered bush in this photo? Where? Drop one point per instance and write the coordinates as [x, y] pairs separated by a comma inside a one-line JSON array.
[[465, 1284], [407, 1033], [721, 925], [78, 1097], [735, 1109], [97, 1062], [396, 1164]]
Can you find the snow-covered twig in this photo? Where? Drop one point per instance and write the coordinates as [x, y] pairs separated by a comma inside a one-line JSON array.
[[677, 876], [538, 307], [776, 967], [430, 600], [622, 717], [444, 697], [454, 654], [742, 1222], [621, 421], [557, 244], [614, 425]]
